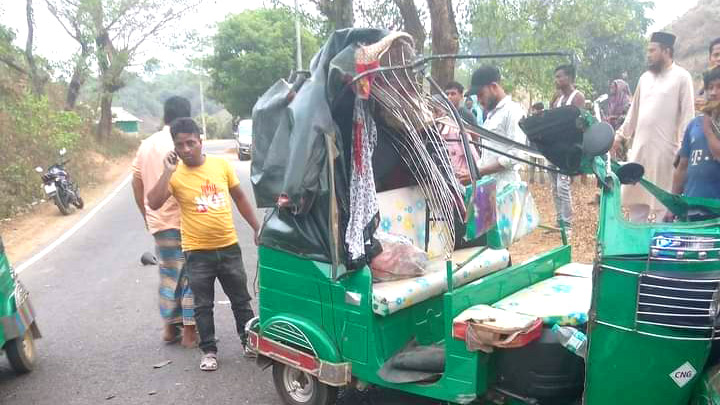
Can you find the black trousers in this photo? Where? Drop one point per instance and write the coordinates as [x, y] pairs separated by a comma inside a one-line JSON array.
[[225, 264]]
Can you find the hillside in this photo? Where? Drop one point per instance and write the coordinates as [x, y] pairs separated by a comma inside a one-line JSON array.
[[695, 30]]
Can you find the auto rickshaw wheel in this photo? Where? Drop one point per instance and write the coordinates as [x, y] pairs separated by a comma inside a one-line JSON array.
[[297, 387], [21, 353]]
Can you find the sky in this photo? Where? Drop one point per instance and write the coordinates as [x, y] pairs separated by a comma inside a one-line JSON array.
[[54, 44]]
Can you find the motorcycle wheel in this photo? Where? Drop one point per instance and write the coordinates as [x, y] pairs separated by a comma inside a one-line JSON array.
[[79, 203], [62, 205], [21, 353], [297, 387]]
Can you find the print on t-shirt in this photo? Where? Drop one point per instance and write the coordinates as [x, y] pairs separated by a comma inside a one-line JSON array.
[[210, 198]]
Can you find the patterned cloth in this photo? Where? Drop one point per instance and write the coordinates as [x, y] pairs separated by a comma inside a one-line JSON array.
[[363, 200], [176, 299], [517, 214], [562, 300]]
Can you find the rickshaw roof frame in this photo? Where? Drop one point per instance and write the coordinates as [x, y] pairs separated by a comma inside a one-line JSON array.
[[424, 60]]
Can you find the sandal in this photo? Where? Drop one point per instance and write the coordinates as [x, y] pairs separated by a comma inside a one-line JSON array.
[[208, 362]]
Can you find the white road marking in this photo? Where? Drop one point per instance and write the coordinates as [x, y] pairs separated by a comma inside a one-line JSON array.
[[70, 232]]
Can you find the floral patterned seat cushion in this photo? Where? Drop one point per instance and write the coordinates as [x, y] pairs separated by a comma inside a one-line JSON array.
[[575, 269], [392, 296], [562, 300]]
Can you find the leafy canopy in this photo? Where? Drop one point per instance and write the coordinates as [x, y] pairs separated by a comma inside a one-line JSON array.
[[252, 50], [608, 37]]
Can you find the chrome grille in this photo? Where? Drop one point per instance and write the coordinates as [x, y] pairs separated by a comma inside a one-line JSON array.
[[686, 302]]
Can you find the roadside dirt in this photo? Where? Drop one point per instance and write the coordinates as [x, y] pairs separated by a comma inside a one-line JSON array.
[[584, 223], [27, 233]]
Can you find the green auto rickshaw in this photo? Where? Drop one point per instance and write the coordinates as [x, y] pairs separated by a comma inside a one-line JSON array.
[[442, 311], [18, 329]]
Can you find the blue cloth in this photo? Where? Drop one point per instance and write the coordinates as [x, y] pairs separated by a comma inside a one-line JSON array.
[[703, 174]]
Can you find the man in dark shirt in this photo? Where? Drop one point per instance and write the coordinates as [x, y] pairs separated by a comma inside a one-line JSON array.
[[698, 171]]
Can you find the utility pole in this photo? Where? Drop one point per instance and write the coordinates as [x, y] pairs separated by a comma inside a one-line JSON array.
[[297, 37], [202, 106]]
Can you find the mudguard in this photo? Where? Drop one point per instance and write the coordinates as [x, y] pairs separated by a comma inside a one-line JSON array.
[[303, 333]]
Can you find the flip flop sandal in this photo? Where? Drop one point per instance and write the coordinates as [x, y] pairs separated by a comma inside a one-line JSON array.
[[208, 362]]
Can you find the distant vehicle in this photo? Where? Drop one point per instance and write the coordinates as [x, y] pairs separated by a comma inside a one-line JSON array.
[[59, 186], [18, 330], [243, 137]]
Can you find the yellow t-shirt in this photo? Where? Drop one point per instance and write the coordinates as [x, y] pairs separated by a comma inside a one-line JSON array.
[[205, 204]]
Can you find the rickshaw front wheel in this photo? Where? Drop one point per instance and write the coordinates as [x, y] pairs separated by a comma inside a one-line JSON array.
[[21, 353], [297, 387]]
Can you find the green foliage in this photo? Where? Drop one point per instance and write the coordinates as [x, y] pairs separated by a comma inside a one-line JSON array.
[[607, 37], [253, 50], [32, 133], [219, 126]]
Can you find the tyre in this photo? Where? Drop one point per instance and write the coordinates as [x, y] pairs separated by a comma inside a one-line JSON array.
[[79, 203], [62, 205], [297, 387], [21, 353]]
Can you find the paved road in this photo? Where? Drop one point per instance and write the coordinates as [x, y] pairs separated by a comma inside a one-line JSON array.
[[96, 307]]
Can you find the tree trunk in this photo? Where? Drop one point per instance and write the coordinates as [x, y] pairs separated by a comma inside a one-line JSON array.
[[79, 76], [36, 80], [104, 128], [412, 24], [445, 39], [345, 17], [339, 12]]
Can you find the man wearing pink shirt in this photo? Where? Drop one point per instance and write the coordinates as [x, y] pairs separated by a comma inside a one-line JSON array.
[[176, 300]]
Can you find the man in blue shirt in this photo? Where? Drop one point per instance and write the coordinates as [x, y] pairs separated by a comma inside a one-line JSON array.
[[698, 171]]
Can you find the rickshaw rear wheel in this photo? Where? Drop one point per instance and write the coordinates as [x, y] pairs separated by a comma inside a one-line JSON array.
[[21, 353], [297, 387]]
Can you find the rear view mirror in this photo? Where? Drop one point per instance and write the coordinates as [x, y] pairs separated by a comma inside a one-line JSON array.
[[630, 173], [598, 139], [39, 169]]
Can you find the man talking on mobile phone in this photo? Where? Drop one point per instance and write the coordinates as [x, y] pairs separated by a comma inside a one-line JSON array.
[[204, 186]]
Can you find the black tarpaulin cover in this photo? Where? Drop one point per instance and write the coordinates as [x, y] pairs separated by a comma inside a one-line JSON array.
[[290, 149]]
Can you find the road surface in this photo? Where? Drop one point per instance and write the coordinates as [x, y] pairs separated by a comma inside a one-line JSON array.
[[96, 306]]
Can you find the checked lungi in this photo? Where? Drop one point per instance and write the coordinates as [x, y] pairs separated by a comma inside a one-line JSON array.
[[176, 299]]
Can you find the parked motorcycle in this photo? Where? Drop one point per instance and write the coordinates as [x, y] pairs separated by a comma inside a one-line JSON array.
[[59, 187]]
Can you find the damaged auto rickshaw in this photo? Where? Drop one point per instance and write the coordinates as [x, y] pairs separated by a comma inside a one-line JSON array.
[[18, 329], [376, 267]]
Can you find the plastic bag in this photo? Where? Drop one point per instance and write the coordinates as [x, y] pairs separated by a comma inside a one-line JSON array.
[[398, 260]]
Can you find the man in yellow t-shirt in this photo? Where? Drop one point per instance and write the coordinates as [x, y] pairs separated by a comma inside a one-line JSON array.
[[204, 186]]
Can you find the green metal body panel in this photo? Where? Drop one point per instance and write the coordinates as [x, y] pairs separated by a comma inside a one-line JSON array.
[[630, 362], [300, 292], [7, 293]]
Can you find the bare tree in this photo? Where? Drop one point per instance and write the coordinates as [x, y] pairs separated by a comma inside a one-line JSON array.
[[338, 12], [412, 23], [445, 39], [70, 16], [37, 78], [120, 28]]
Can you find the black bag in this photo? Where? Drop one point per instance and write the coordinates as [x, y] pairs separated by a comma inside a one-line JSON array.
[[558, 135]]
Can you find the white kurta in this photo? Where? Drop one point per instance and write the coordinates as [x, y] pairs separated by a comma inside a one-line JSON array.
[[661, 109]]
